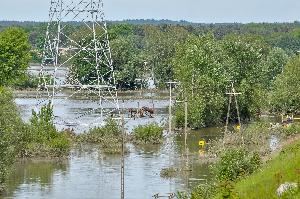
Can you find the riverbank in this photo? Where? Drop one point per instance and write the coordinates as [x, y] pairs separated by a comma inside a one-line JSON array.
[[284, 166], [122, 95], [259, 157]]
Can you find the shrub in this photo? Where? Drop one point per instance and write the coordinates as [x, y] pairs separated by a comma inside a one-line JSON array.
[[151, 133], [107, 132], [168, 172], [42, 138], [26, 81], [11, 127], [204, 191], [108, 136], [236, 163], [290, 130]]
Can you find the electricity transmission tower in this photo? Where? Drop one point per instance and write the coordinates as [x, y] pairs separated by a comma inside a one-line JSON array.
[[84, 52]]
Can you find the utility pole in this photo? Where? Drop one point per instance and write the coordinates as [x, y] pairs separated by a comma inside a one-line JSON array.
[[234, 94], [170, 104], [185, 123], [122, 158]]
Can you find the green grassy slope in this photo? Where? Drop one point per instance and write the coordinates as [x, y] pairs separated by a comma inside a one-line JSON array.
[[263, 184]]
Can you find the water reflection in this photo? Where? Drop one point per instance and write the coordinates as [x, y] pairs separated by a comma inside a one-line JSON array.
[[36, 176], [88, 173]]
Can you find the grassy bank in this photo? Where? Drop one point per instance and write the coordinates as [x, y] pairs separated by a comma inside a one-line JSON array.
[[285, 167], [246, 162]]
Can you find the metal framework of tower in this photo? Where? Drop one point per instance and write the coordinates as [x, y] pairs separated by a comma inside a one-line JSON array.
[[91, 46]]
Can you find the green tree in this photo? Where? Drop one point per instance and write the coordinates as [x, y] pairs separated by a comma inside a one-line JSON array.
[[206, 67], [286, 94], [14, 54], [200, 66], [126, 60], [160, 44]]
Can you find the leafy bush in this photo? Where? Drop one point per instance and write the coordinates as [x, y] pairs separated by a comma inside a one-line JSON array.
[[204, 191], [151, 133], [42, 138], [26, 81], [235, 164], [169, 172], [290, 130], [11, 127], [109, 137], [109, 131]]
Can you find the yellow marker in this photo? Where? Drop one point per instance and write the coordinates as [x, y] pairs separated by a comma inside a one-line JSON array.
[[201, 152], [238, 127], [202, 143]]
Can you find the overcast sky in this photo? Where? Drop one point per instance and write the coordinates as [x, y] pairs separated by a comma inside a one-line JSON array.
[[207, 11]]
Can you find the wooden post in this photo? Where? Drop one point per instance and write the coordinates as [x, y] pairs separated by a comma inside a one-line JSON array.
[[170, 104], [185, 123], [122, 159], [234, 94], [228, 114], [170, 109]]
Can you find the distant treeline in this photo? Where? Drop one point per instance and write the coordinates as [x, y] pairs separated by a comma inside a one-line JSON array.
[[283, 35]]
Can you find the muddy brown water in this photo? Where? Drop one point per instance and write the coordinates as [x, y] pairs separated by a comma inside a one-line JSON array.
[[88, 173]]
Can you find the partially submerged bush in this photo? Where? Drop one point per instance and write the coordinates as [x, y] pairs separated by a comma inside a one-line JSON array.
[[289, 130], [109, 137], [11, 127], [41, 137], [255, 137], [168, 172], [151, 133], [110, 131]]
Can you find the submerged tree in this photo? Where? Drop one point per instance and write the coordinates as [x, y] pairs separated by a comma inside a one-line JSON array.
[[206, 67]]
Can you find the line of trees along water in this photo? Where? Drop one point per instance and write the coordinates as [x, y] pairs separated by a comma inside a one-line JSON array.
[[205, 58], [260, 59]]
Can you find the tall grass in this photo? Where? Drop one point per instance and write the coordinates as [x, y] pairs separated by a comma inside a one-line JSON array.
[[264, 183]]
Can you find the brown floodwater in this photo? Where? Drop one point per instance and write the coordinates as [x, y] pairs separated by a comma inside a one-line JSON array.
[[88, 173]]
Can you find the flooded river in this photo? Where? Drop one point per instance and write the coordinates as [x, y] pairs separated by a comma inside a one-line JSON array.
[[88, 173]]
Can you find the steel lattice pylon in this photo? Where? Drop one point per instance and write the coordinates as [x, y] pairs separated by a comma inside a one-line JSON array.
[[84, 53]]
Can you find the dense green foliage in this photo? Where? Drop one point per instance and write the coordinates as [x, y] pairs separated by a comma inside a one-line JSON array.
[[236, 163], [206, 67], [109, 137], [134, 42], [11, 128], [100, 134], [42, 139], [14, 54], [286, 93], [151, 133]]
